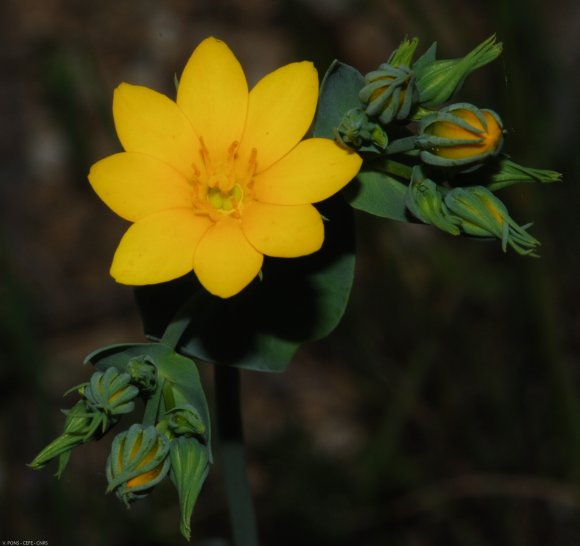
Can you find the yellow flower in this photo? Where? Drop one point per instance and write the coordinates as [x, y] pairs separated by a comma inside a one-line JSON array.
[[219, 178]]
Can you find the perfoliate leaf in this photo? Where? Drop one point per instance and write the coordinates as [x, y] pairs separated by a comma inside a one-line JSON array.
[[338, 94], [177, 371], [378, 194], [261, 328]]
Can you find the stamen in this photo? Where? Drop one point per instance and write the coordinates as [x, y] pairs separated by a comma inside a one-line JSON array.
[[205, 155], [232, 150], [248, 179]]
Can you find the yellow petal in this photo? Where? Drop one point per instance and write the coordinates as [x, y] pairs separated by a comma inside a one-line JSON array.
[[136, 185], [283, 231], [159, 247], [150, 123], [225, 262], [213, 93], [280, 111], [313, 171]]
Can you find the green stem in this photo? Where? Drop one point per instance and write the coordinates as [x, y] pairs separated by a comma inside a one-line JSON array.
[[395, 168], [229, 425], [152, 406]]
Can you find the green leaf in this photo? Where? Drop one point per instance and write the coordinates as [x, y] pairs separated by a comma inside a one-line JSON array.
[[379, 194], [261, 328], [338, 94]]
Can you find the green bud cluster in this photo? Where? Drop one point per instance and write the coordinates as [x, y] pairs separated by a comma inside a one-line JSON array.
[[357, 130], [106, 397], [172, 439], [472, 210], [447, 155]]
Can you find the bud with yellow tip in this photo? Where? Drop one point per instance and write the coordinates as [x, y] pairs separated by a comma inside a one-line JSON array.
[[138, 461], [460, 135]]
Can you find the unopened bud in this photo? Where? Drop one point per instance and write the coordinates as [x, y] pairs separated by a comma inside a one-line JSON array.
[[425, 201], [143, 373], [189, 468], [460, 135], [185, 421], [82, 424], [482, 214], [111, 392], [138, 461], [358, 132], [509, 173], [438, 80], [389, 92]]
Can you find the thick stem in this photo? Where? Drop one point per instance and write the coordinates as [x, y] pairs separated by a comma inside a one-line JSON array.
[[229, 425], [395, 168]]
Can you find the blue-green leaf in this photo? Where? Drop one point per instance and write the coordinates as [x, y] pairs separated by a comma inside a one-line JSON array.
[[338, 94], [378, 194], [261, 328], [174, 369]]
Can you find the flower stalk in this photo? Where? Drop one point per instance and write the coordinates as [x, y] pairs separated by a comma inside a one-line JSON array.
[[230, 432]]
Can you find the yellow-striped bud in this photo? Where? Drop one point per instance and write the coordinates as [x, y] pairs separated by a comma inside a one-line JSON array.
[[460, 135], [138, 461]]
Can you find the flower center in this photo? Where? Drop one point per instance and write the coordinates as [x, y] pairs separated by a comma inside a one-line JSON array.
[[220, 186], [227, 201]]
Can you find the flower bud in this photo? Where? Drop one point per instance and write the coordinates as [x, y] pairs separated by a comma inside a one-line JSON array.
[[82, 424], [509, 173], [389, 92], [143, 373], [111, 392], [403, 55], [438, 80], [138, 461], [358, 132], [425, 201], [185, 421], [460, 135], [482, 214], [189, 468]]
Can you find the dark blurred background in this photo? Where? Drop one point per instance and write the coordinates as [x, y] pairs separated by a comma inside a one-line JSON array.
[[446, 408]]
